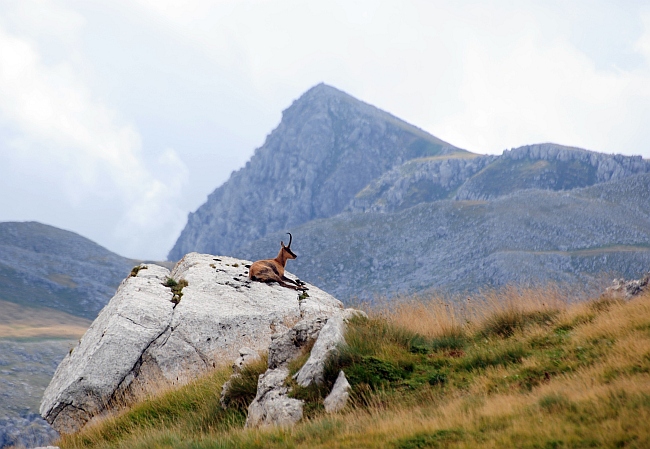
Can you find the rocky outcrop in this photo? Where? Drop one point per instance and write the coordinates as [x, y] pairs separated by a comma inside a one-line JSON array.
[[142, 340], [288, 345], [272, 404], [327, 148], [548, 166], [418, 181], [330, 338], [629, 289], [477, 178]]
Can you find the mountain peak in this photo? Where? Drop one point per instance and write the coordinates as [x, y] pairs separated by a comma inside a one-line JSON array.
[[328, 146]]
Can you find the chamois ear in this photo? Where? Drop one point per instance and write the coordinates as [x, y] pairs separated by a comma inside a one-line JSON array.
[[282, 244]]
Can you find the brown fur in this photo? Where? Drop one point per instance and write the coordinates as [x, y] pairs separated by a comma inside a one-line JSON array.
[[272, 270]]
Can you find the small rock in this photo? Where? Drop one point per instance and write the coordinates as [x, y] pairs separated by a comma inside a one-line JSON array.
[[628, 289], [272, 405], [338, 397]]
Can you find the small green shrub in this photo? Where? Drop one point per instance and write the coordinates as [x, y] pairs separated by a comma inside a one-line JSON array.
[[499, 357], [373, 371], [439, 438], [504, 323], [177, 288], [453, 341], [437, 378], [135, 270]]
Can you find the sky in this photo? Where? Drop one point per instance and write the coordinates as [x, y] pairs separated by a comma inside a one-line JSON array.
[[119, 117]]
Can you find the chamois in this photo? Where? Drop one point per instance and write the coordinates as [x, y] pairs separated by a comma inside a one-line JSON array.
[[272, 270]]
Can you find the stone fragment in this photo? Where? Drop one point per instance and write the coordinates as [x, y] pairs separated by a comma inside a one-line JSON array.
[[272, 405], [288, 345], [629, 289], [338, 397], [330, 337], [246, 356]]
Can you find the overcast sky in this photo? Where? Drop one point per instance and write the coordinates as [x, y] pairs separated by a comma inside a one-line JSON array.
[[119, 117]]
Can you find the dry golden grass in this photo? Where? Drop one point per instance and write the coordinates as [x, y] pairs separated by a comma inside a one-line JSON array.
[[436, 316], [17, 321], [583, 381]]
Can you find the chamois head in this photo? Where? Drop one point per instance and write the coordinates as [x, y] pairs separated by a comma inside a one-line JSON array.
[[287, 249]]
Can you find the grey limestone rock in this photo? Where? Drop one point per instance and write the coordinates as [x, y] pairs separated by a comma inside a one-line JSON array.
[[338, 397], [288, 345], [272, 405], [330, 337], [629, 289], [246, 355], [141, 341]]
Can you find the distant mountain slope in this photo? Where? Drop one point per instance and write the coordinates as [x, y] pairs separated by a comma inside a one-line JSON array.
[[543, 166], [550, 167], [43, 266], [377, 206], [327, 148], [531, 236]]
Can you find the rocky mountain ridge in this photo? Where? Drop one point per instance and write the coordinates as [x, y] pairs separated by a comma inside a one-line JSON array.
[[572, 237], [379, 207], [327, 148]]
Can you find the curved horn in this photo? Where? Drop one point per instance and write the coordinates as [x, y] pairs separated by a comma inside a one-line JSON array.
[[290, 238]]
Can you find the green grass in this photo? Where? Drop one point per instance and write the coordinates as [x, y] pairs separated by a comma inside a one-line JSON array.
[[243, 388], [527, 375]]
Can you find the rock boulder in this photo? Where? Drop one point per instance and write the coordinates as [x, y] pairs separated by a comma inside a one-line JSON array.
[[142, 340]]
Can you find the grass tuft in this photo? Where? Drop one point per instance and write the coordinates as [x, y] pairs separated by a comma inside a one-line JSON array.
[[243, 387]]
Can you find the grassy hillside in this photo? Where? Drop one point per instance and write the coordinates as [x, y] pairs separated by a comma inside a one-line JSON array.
[[43, 266], [33, 341], [17, 321], [519, 368]]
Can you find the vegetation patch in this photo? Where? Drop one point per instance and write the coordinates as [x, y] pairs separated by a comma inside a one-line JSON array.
[[135, 270], [177, 289], [243, 387], [439, 438]]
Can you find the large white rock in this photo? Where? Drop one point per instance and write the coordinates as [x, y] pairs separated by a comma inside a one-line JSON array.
[[141, 341]]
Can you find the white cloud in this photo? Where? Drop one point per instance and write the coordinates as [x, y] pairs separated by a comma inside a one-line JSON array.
[[60, 127]]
